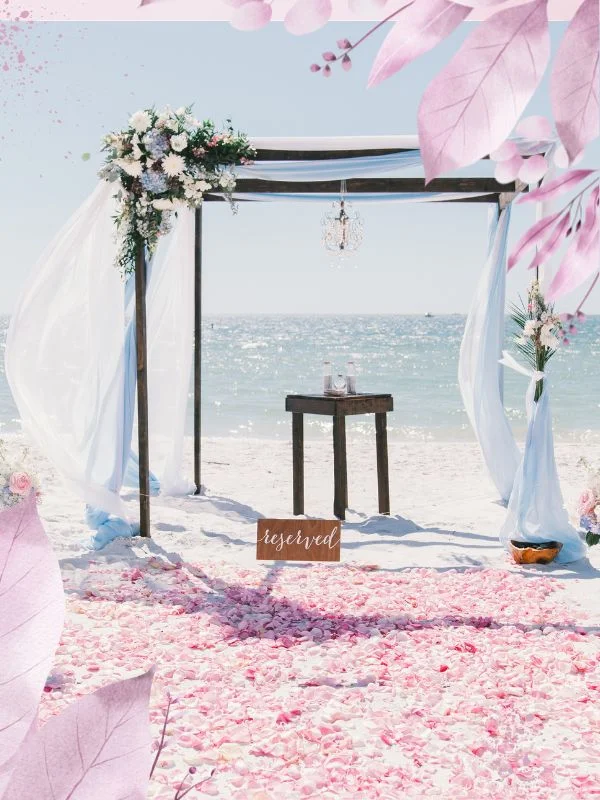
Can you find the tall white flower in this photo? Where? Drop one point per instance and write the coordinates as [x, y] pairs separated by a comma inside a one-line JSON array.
[[173, 165], [162, 204], [179, 143], [530, 327], [547, 338], [130, 166], [140, 121]]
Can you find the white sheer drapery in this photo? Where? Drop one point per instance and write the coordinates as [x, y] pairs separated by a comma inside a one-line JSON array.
[[64, 354], [480, 375], [70, 371], [170, 322]]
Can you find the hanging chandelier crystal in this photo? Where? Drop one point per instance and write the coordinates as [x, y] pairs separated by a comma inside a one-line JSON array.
[[342, 227]]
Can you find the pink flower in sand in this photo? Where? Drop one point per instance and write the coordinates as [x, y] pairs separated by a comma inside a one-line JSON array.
[[19, 483], [587, 502]]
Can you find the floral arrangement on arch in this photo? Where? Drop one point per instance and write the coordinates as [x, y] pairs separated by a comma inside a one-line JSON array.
[[588, 505], [17, 480], [164, 161], [540, 331]]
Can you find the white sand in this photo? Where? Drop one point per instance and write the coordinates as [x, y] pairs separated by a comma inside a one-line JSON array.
[[444, 508]]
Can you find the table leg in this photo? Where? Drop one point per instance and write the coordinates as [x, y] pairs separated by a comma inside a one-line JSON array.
[[340, 477], [383, 479], [298, 462]]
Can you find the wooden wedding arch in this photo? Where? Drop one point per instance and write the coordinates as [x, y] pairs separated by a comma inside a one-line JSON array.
[[474, 189]]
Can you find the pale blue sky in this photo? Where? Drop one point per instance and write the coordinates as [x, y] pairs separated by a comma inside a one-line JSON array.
[[269, 257]]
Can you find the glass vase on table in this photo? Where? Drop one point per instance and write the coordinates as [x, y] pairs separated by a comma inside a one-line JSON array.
[[327, 377], [350, 378]]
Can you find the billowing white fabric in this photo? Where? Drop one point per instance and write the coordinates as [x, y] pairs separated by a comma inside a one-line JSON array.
[[64, 354], [480, 375], [356, 197], [170, 322], [408, 142], [536, 511], [381, 142], [330, 169]]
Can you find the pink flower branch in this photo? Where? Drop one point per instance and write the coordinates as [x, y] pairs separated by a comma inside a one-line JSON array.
[[346, 47]]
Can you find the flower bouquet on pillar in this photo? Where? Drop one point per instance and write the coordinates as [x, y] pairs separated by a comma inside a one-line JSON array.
[[588, 505], [537, 528]]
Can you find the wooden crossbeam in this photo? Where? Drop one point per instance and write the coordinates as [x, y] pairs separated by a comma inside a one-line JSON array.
[[488, 186]]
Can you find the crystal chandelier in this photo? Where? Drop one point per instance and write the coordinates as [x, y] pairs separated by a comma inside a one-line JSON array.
[[342, 227]]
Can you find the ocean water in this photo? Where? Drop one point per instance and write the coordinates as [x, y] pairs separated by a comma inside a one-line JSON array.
[[250, 363]]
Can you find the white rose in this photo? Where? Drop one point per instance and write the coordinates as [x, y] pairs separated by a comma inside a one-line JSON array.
[[530, 327], [547, 338], [130, 166], [203, 186], [140, 121], [163, 205], [179, 143], [173, 165], [181, 111]]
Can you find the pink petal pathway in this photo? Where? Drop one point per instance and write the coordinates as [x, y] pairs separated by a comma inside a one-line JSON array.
[[344, 682]]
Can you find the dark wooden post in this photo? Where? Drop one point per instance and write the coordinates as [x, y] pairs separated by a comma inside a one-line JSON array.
[[340, 478], [298, 462], [142, 387], [198, 351], [383, 480]]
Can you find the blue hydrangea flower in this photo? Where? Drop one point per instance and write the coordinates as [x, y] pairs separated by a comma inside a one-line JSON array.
[[156, 143], [154, 182], [586, 523]]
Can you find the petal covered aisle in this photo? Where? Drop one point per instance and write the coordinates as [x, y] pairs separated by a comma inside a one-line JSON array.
[[345, 682]]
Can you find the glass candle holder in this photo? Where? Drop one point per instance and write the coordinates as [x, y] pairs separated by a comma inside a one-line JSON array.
[[327, 376], [351, 377], [339, 383]]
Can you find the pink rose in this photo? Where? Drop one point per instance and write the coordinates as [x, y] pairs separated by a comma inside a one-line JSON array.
[[20, 483], [587, 502]]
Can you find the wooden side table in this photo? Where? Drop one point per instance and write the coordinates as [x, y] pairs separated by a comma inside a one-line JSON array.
[[339, 408]]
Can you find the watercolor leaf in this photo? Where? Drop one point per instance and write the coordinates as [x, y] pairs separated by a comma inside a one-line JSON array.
[[471, 107], [534, 236], [581, 259], [31, 621], [97, 748], [574, 81], [558, 186], [420, 28], [307, 16]]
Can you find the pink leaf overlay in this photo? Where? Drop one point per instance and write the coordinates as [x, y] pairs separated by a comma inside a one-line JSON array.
[[581, 260], [552, 189], [472, 105], [98, 748], [552, 243], [251, 16], [535, 235], [574, 83], [31, 620], [419, 28], [306, 16]]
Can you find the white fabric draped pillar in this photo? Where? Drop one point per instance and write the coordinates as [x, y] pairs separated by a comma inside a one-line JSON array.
[[480, 375], [69, 370], [64, 354], [536, 511]]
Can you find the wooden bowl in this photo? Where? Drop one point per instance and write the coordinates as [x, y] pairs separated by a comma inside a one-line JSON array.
[[538, 553]]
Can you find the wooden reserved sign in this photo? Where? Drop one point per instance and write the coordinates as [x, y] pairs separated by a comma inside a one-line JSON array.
[[298, 540]]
